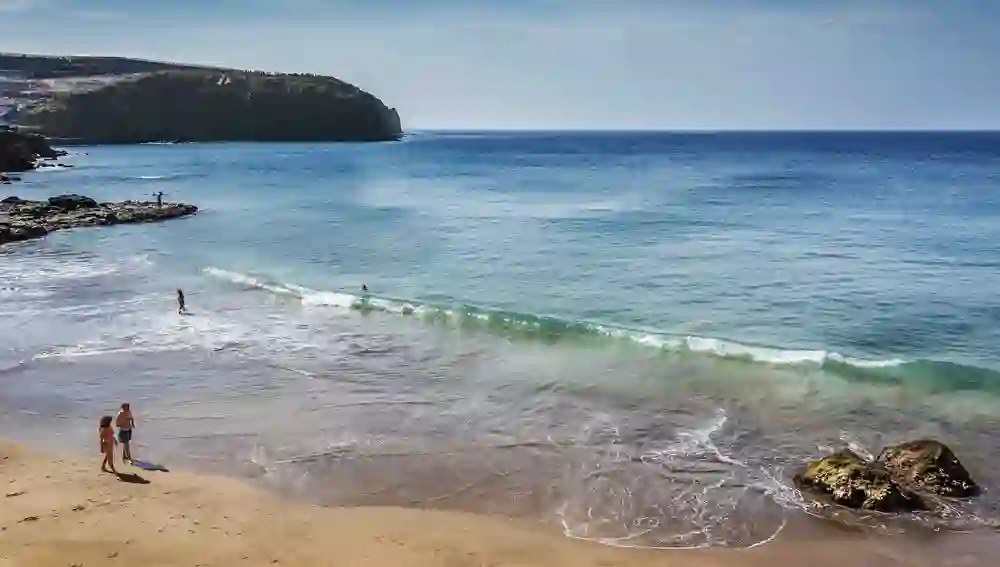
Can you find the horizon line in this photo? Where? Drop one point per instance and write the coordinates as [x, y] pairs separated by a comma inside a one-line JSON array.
[[598, 130]]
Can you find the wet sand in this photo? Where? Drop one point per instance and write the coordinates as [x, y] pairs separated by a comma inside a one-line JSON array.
[[61, 511]]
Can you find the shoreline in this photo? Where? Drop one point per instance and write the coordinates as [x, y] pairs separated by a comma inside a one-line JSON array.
[[60, 510]]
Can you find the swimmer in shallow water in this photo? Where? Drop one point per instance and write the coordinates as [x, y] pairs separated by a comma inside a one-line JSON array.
[[364, 288], [181, 308]]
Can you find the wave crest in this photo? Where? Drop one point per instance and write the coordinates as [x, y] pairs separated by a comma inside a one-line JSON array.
[[932, 375]]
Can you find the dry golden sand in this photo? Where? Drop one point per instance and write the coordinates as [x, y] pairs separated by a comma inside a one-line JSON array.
[[62, 512]]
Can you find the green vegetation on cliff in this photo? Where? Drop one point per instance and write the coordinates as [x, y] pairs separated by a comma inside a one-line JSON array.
[[115, 100], [54, 67]]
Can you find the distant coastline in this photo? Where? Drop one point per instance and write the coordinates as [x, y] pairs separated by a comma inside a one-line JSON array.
[[109, 100]]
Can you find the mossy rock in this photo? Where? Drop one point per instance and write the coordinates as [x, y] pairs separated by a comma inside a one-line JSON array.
[[929, 466], [855, 483]]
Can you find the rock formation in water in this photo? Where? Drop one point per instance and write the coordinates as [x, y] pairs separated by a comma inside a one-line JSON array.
[[851, 481], [928, 466], [113, 100], [901, 479], [23, 220], [21, 151]]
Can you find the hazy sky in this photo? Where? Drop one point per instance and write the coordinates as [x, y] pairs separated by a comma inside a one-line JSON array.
[[671, 64]]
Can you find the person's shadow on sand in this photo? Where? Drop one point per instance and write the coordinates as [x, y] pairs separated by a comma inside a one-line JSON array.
[[147, 466], [132, 478]]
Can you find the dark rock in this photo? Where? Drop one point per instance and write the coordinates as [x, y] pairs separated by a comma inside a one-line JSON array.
[[72, 202], [929, 466], [33, 219], [19, 151], [15, 153], [9, 203], [16, 233], [853, 482], [39, 146]]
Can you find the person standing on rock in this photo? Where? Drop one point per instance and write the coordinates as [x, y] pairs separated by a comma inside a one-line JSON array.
[[181, 308], [159, 199]]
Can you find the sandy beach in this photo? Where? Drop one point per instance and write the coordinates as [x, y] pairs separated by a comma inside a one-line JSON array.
[[60, 511]]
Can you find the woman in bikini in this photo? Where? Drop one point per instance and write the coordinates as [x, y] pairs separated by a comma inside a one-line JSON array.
[[108, 442]]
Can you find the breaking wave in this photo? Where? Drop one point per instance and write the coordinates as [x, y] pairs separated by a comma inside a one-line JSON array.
[[931, 375]]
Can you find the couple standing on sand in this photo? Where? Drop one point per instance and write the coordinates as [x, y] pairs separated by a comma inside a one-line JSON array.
[[125, 423]]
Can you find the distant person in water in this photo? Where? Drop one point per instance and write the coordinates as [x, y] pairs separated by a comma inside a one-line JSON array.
[[181, 308], [125, 423], [364, 288], [108, 442]]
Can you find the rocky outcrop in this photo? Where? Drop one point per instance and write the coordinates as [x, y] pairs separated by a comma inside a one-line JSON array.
[[20, 151], [72, 202], [928, 466], [115, 100], [903, 478], [851, 481], [23, 220]]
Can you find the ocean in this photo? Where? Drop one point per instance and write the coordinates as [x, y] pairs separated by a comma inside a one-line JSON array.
[[637, 337]]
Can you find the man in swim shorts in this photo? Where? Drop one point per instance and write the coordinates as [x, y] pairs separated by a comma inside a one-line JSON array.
[[125, 422]]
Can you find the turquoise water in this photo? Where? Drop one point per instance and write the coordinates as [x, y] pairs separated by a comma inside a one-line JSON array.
[[636, 335]]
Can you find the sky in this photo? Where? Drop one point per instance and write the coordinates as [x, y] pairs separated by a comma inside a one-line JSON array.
[[578, 64]]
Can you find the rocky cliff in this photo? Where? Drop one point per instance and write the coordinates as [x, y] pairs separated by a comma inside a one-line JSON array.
[[20, 151], [130, 101]]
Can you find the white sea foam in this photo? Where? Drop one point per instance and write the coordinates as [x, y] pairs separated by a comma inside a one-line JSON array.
[[706, 503], [52, 271], [733, 349], [161, 177], [761, 354], [330, 299], [696, 442], [80, 351], [862, 363], [247, 280], [22, 292], [690, 343]]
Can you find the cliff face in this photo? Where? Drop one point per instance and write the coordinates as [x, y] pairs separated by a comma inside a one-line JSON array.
[[194, 104]]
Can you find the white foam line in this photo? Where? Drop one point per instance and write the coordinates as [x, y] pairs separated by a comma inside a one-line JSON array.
[[13, 367], [99, 352], [862, 363], [691, 343], [243, 279], [616, 542], [293, 370]]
